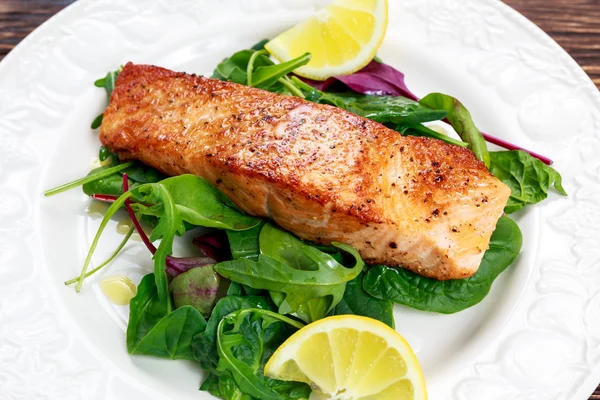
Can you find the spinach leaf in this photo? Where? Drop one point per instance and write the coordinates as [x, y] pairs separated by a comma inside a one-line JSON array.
[[111, 184], [260, 45], [460, 119], [235, 289], [137, 174], [97, 121], [246, 339], [244, 244], [313, 274], [153, 331], [392, 109], [447, 297], [200, 203], [399, 113], [529, 179], [108, 83], [358, 302], [205, 343], [145, 311], [171, 337]]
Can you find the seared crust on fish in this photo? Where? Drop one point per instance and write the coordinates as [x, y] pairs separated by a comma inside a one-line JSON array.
[[323, 173]]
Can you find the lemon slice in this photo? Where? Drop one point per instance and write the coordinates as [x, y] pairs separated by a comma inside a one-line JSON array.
[[341, 38], [349, 357]]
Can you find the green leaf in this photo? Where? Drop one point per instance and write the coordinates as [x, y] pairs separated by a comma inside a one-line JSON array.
[[246, 339], [244, 244], [145, 311], [390, 109], [205, 343], [97, 121], [112, 184], [265, 76], [321, 275], [155, 332], [460, 119], [447, 297], [235, 289], [358, 302], [311, 311], [109, 81], [234, 68], [225, 387], [260, 45], [169, 225], [201, 204], [529, 179]]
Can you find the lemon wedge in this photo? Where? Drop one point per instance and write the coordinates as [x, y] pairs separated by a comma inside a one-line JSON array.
[[348, 357], [341, 38]]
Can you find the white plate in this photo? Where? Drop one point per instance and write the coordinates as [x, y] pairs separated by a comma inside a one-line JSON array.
[[536, 336]]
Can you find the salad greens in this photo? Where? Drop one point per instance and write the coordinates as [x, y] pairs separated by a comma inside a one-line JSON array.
[[108, 83], [246, 339], [406, 287], [276, 281], [154, 330], [460, 119], [358, 302], [197, 287], [528, 178], [289, 266]]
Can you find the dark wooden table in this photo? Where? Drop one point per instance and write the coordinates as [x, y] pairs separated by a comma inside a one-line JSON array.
[[574, 24]]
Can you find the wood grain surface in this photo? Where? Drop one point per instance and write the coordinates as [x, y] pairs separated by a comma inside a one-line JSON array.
[[574, 24]]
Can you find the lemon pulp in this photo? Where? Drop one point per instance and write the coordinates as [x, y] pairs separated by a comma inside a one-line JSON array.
[[341, 38], [350, 358]]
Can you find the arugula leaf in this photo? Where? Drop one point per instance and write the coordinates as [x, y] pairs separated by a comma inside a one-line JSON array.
[[310, 311], [460, 119], [205, 343], [265, 76], [246, 339], [447, 297], [244, 244], [312, 274], [200, 203], [240, 66], [224, 386], [169, 224], [358, 302], [529, 179]]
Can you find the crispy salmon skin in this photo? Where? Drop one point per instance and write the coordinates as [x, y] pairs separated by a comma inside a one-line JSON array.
[[323, 173]]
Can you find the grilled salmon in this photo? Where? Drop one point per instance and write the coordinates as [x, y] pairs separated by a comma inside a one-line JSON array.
[[323, 173]]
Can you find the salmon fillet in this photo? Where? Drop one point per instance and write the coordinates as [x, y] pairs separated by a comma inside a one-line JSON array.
[[323, 173]]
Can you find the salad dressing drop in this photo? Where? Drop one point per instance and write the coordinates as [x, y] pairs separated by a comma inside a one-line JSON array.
[[119, 289]]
